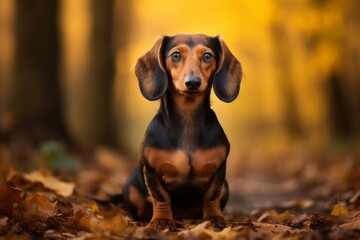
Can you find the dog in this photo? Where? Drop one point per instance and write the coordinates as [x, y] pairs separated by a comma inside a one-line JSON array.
[[182, 167]]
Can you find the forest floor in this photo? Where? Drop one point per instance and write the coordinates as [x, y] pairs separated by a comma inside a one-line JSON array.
[[46, 192]]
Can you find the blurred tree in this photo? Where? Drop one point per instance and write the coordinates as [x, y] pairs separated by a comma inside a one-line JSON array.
[[60, 75], [6, 61], [89, 43], [317, 55], [346, 94], [122, 32], [290, 118], [35, 98], [87, 69]]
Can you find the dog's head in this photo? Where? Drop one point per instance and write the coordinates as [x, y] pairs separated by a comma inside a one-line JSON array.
[[191, 64]]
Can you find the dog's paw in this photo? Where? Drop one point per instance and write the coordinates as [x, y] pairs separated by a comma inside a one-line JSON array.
[[163, 223], [218, 222]]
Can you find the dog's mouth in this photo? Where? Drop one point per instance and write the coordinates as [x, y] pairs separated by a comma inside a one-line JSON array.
[[190, 92]]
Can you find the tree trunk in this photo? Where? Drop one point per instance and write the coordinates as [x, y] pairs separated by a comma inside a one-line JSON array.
[[87, 69], [35, 98]]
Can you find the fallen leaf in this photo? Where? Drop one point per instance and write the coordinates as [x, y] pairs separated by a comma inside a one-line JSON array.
[[148, 233], [265, 216], [9, 199], [282, 216], [339, 209], [275, 228], [39, 204], [3, 223], [353, 225], [204, 231], [355, 200], [78, 221], [299, 203], [35, 212], [85, 236], [225, 234], [95, 208], [323, 223], [116, 224], [62, 188], [202, 225]]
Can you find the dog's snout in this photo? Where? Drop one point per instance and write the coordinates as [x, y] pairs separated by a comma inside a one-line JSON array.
[[193, 83]]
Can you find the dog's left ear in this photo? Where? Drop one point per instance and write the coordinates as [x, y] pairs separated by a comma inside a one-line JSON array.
[[227, 78], [150, 72]]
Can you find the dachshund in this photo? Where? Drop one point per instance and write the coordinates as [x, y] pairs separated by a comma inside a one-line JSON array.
[[182, 167]]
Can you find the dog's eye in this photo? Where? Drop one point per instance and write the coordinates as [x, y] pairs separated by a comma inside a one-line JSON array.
[[175, 57], [208, 57]]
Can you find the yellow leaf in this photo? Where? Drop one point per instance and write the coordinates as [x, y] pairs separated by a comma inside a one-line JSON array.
[[226, 233], [62, 188], [95, 208], [281, 216], [339, 209], [114, 225]]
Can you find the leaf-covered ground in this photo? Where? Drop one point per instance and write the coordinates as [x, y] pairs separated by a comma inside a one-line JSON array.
[[47, 192]]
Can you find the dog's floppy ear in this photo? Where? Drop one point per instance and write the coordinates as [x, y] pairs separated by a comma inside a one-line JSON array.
[[226, 81], [151, 74]]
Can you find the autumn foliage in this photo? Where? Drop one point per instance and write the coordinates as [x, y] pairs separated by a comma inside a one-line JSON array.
[[74, 202]]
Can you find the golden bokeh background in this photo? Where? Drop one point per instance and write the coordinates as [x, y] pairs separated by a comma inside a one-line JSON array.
[[301, 59]]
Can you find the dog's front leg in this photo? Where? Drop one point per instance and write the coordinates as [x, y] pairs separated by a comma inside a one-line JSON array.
[[161, 202], [213, 196]]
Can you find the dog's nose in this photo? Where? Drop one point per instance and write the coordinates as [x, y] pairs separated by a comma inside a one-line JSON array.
[[193, 83]]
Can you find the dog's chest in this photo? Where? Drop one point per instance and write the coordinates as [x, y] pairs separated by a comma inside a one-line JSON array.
[[179, 167]]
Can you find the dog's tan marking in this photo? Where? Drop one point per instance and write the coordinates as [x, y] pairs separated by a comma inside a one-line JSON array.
[[175, 166], [172, 166], [212, 207], [206, 161], [160, 209]]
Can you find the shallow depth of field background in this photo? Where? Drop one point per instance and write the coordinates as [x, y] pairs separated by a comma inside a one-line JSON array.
[[66, 71]]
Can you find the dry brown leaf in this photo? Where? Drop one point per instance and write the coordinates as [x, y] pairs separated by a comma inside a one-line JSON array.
[[84, 222], [281, 216], [195, 231], [115, 225], [353, 225], [275, 228], [9, 199], [79, 221], [3, 223], [147, 233], [300, 203], [203, 225], [204, 231], [355, 200], [35, 211], [225, 234], [40, 206], [62, 188], [266, 215], [85, 236]]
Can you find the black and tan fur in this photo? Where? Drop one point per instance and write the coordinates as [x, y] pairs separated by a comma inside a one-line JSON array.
[[183, 156]]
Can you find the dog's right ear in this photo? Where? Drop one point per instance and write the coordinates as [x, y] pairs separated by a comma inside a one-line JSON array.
[[151, 73]]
